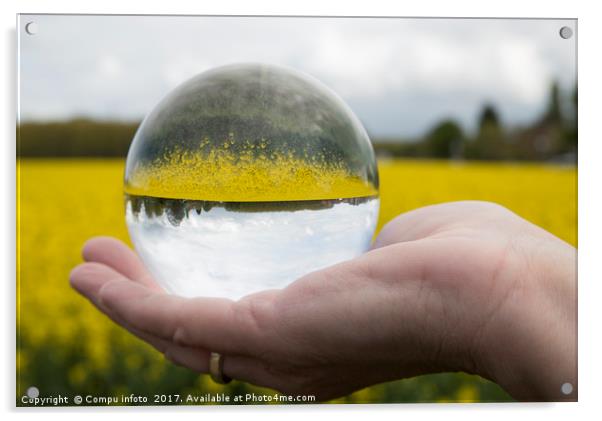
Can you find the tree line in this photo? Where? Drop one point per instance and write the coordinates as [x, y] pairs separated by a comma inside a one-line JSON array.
[[552, 136], [75, 138]]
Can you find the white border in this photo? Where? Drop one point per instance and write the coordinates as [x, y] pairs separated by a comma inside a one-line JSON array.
[[590, 209]]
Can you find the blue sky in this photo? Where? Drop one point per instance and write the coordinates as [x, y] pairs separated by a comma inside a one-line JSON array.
[[399, 75]]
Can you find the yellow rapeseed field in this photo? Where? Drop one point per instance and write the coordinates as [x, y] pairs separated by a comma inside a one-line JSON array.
[[66, 346]]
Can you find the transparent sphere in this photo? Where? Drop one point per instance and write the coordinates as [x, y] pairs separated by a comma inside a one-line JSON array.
[[247, 177]]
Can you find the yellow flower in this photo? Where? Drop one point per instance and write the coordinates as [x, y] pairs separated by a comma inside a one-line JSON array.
[[61, 203], [467, 393]]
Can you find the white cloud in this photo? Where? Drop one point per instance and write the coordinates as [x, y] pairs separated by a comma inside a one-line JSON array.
[[357, 63], [522, 57], [399, 75], [109, 67]]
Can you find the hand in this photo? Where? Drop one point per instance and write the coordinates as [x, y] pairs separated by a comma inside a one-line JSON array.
[[465, 286]]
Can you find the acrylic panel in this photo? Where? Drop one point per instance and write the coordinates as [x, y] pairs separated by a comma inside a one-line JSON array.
[[237, 155]]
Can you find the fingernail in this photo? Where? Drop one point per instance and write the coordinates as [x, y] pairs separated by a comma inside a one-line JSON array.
[[78, 279], [74, 279]]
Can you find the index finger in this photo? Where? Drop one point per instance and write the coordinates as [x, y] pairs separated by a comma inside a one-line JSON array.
[[217, 324], [116, 254]]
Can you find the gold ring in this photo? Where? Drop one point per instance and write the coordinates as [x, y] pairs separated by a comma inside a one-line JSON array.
[[216, 369]]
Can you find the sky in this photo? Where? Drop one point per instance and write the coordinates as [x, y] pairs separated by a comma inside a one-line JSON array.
[[399, 75]]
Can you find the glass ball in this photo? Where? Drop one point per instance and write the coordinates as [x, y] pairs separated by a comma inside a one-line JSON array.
[[248, 177]]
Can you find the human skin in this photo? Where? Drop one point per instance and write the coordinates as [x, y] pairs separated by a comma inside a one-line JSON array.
[[462, 286]]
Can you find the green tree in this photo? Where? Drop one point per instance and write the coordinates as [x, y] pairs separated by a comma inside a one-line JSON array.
[[490, 142], [570, 131], [445, 140], [489, 118], [553, 113]]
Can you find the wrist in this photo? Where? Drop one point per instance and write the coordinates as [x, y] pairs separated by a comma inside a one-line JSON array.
[[532, 350]]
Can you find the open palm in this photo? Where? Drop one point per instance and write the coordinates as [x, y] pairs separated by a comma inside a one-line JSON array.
[[442, 289]]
